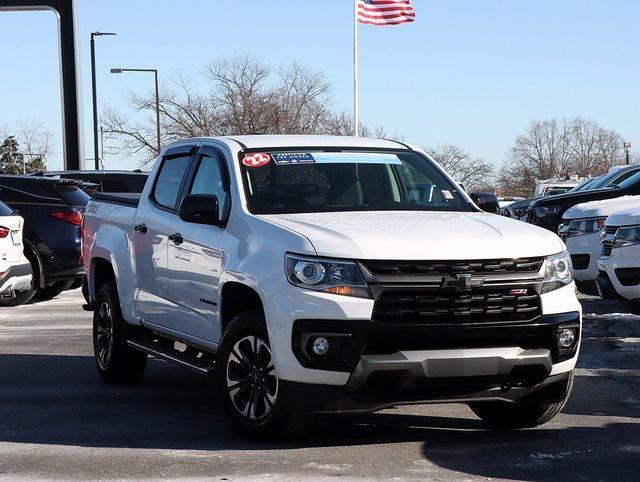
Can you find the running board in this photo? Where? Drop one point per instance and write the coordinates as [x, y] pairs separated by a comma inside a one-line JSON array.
[[157, 350]]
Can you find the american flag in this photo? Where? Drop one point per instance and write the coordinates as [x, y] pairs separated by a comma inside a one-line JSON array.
[[385, 12]]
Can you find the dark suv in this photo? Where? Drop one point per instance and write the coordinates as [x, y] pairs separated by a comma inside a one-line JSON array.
[[105, 181], [52, 210], [547, 212]]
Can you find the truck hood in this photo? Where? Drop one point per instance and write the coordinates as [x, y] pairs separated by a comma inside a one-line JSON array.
[[626, 217], [419, 235], [603, 208]]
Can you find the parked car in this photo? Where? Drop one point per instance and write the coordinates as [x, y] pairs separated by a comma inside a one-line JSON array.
[[581, 230], [319, 279], [547, 212], [560, 185], [105, 181], [52, 210], [15, 270], [619, 264], [518, 208]]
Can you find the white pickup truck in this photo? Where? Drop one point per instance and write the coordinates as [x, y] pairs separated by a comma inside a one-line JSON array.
[[329, 274]]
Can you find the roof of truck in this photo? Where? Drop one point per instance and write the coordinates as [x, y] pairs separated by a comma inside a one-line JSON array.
[[271, 141]]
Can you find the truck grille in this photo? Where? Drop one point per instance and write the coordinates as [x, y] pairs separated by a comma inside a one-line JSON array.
[[417, 268], [607, 247], [435, 306]]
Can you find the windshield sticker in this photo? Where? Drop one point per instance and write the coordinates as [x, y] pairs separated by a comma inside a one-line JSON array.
[[257, 159], [286, 158], [447, 194], [291, 158]]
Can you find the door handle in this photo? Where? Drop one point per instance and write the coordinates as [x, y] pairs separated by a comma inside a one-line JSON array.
[[176, 238], [141, 228]]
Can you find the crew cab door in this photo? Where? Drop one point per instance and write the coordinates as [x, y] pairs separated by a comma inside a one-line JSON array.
[[152, 228], [196, 253]]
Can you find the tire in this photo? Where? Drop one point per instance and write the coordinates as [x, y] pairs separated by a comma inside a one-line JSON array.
[[53, 290], [116, 362], [261, 408], [511, 416], [75, 283]]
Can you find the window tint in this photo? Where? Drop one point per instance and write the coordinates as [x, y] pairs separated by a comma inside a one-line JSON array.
[[631, 182], [625, 176], [169, 180], [209, 180], [5, 210]]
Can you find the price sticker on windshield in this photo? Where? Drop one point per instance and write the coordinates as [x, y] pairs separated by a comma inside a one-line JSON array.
[[257, 159]]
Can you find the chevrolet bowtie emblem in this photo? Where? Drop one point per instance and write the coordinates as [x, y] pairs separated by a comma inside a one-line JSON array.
[[462, 282]]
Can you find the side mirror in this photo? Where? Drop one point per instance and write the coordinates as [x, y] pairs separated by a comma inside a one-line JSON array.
[[200, 209], [486, 201]]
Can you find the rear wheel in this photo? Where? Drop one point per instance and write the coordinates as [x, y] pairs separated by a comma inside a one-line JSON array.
[[255, 403], [509, 416], [51, 291], [116, 362]]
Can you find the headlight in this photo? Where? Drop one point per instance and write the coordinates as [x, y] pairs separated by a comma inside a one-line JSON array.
[[627, 237], [578, 227], [542, 211], [557, 272], [330, 276]]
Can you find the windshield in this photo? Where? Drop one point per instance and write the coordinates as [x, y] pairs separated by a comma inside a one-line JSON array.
[[605, 180], [633, 180], [309, 182], [584, 185]]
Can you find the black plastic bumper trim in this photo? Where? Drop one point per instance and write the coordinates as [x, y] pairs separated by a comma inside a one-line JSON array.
[[369, 337]]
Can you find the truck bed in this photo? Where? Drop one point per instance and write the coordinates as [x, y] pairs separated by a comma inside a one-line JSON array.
[[124, 199]]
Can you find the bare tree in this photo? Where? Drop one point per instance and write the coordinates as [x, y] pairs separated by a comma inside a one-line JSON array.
[[475, 174], [553, 148], [241, 96], [237, 96]]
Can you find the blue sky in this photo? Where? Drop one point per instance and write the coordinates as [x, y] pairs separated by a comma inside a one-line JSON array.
[[468, 72]]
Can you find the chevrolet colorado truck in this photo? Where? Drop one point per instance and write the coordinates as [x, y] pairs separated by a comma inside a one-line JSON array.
[[316, 274]]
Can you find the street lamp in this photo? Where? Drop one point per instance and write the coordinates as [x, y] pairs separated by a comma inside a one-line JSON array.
[[95, 95], [627, 148], [155, 73]]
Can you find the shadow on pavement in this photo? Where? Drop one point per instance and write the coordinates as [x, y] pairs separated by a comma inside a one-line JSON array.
[[46, 399]]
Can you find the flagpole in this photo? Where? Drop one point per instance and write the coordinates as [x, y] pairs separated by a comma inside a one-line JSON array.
[[356, 100]]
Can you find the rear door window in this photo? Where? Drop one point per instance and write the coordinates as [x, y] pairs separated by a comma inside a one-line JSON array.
[[169, 180], [72, 194]]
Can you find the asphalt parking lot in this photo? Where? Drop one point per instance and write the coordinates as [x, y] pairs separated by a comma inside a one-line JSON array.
[[57, 420]]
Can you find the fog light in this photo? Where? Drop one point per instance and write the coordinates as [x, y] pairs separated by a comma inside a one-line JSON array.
[[320, 346], [566, 338]]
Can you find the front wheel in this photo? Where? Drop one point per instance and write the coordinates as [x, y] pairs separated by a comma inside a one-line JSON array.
[[256, 405], [510, 416]]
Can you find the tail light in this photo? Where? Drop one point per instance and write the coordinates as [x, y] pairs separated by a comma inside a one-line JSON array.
[[71, 217], [4, 232]]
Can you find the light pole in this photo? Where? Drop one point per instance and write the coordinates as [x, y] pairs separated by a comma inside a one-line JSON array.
[[627, 148], [155, 73], [95, 95]]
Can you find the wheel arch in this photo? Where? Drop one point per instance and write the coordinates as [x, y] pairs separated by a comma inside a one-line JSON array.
[[236, 298]]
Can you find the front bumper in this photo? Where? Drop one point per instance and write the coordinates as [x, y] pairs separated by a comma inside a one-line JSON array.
[[585, 251], [620, 272]]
